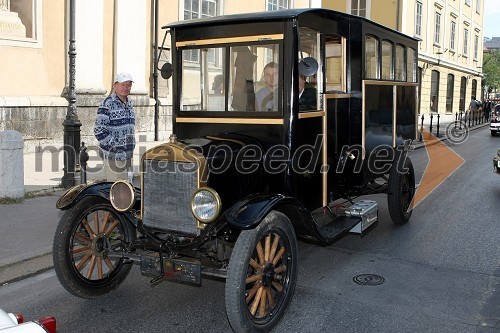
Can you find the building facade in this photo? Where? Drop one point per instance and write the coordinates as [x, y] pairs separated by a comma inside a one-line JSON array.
[[112, 36], [450, 51]]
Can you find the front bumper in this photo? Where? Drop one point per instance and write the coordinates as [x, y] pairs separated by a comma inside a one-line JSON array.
[[495, 127]]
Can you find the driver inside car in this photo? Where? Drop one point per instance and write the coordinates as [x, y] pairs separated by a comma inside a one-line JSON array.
[[265, 98]]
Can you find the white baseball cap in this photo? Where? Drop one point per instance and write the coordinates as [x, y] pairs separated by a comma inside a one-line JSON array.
[[123, 77]]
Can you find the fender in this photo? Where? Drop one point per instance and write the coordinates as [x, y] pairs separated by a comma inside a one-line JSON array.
[[249, 212], [100, 189]]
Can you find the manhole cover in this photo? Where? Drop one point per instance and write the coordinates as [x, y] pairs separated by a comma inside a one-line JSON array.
[[368, 279]]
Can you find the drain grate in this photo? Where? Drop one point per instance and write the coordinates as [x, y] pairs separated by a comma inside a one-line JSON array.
[[368, 279]]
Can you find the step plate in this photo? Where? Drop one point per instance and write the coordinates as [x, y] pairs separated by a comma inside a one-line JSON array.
[[367, 210]]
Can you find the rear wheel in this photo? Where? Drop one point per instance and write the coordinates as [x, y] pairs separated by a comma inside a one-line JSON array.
[[401, 189], [85, 236], [262, 275]]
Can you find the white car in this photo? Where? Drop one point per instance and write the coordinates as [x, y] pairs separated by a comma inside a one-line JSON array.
[[495, 120], [14, 323]]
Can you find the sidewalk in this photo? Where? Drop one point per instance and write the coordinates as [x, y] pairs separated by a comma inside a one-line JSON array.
[[28, 227], [43, 171]]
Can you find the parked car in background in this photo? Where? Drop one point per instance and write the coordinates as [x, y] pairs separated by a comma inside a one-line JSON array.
[[495, 120], [496, 162], [13, 323]]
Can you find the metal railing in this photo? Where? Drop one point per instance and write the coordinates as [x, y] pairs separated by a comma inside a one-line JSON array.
[[463, 119]]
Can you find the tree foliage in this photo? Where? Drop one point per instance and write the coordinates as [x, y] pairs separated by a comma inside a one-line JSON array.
[[491, 69]]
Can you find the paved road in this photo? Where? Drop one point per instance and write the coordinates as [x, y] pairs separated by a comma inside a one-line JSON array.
[[441, 271], [28, 228]]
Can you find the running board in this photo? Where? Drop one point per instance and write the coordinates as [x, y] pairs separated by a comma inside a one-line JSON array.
[[358, 218]]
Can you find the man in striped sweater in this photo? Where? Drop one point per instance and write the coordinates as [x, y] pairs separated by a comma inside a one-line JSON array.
[[115, 128]]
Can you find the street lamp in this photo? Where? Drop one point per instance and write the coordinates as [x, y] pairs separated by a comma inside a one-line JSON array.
[[71, 123]]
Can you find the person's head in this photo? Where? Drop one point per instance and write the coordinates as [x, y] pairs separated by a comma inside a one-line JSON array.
[[218, 82], [271, 75], [122, 85]]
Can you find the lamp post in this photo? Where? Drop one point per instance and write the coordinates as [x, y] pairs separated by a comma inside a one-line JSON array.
[[71, 123]]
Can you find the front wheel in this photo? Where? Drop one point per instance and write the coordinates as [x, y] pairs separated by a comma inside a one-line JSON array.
[[401, 189], [85, 236], [262, 275]]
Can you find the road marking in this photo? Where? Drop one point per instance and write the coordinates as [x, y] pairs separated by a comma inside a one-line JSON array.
[[443, 162]]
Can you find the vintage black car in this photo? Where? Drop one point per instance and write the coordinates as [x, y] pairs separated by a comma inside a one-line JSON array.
[[281, 121]]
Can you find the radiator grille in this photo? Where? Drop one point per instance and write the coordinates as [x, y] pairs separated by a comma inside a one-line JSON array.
[[166, 193]]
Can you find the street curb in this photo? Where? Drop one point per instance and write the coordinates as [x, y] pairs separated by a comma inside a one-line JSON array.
[[39, 193], [421, 144], [26, 268]]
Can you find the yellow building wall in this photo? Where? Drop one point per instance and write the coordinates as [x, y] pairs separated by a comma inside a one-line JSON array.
[[335, 5], [236, 7], [385, 12], [37, 71], [301, 4]]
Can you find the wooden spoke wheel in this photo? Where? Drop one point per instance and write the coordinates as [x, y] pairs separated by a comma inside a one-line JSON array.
[[262, 275], [401, 190], [85, 236]]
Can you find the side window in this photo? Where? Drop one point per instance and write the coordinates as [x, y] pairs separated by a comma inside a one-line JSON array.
[[203, 81], [372, 58], [411, 65], [248, 79], [254, 78], [309, 75], [387, 61], [335, 63], [400, 63]]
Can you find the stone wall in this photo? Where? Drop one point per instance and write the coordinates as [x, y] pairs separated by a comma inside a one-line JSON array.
[[39, 120]]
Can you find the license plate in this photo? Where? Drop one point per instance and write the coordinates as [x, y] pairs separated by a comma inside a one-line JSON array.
[[182, 271]]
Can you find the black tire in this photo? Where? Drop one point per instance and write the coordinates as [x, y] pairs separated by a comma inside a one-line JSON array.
[[401, 189], [255, 301], [82, 241], [493, 133]]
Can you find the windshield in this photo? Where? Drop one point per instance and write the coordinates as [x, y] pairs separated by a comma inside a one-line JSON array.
[[231, 78]]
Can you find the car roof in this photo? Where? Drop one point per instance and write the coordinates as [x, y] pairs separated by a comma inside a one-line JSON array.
[[275, 15], [254, 17]]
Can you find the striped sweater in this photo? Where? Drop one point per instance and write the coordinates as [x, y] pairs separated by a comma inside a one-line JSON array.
[[115, 128]]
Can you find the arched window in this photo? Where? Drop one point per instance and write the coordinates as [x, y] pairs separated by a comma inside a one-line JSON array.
[[449, 93], [473, 92], [463, 86], [372, 58], [387, 60], [411, 65], [434, 91], [400, 63]]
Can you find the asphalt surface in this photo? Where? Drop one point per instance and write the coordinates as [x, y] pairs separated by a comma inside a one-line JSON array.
[[28, 227]]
